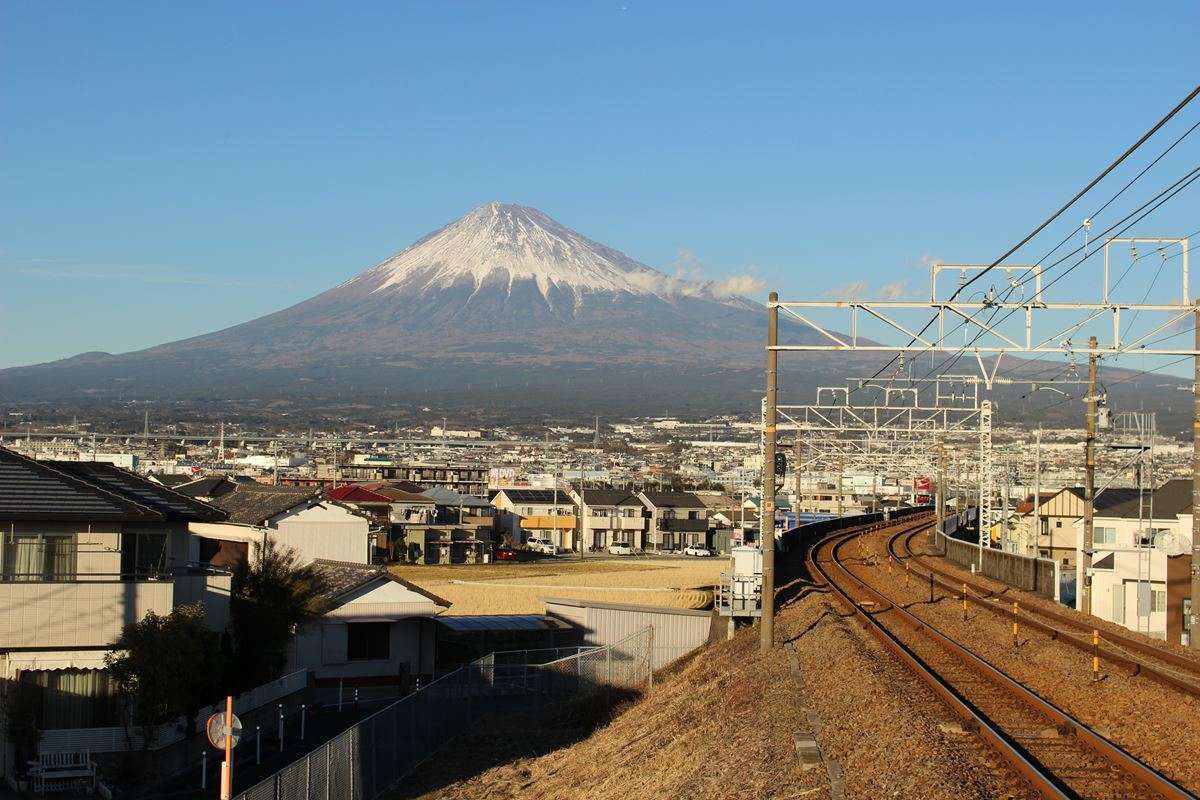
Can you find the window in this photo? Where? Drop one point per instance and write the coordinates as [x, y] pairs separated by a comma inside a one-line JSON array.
[[39, 557], [368, 641], [143, 555], [1158, 601], [70, 698], [1104, 536]]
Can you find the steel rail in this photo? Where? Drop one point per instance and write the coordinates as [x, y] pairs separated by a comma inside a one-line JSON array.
[[1042, 779], [980, 597]]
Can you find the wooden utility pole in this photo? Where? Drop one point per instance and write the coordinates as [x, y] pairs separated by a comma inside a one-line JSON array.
[[766, 512], [1089, 484], [1194, 612]]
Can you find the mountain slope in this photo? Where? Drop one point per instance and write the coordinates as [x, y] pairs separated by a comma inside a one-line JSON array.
[[503, 289]]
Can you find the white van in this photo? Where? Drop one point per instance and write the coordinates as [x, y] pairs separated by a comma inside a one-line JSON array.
[[541, 546]]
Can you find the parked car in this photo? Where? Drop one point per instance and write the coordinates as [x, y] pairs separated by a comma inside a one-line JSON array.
[[505, 553], [698, 550], [620, 549], [544, 546]]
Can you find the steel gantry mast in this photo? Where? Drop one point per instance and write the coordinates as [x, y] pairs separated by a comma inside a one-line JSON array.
[[1020, 319]]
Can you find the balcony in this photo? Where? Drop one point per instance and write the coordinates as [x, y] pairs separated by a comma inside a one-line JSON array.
[[683, 525], [628, 523], [91, 613], [563, 522]]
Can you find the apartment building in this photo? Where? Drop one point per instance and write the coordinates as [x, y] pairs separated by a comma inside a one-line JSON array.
[[463, 478], [1141, 561], [89, 548], [674, 520], [537, 513], [608, 517]]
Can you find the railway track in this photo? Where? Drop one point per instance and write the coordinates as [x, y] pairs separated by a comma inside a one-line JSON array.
[[1131, 654], [1058, 755]]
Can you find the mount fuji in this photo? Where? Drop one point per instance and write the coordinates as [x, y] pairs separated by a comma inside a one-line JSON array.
[[503, 300]]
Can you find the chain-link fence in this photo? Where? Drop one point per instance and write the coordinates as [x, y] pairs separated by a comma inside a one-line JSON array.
[[367, 758]]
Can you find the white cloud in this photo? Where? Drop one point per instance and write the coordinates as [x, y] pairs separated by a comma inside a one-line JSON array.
[[893, 291], [847, 291]]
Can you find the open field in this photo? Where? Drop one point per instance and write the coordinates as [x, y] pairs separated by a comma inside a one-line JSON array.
[[516, 588]]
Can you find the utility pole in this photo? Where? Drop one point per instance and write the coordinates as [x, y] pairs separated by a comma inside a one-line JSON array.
[[797, 457], [1194, 613], [766, 516], [1037, 491], [1089, 484], [941, 489]]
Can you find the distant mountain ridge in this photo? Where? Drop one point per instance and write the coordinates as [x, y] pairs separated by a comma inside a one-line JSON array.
[[504, 307], [504, 288]]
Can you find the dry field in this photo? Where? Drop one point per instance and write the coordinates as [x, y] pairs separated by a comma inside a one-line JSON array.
[[516, 588]]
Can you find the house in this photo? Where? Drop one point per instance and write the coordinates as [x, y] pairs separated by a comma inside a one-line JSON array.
[[675, 520], [296, 518], [377, 629], [1059, 513], [538, 513], [608, 517], [1141, 561], [87, 549]]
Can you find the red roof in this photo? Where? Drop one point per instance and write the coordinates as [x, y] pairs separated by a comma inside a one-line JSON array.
[[356, 494]]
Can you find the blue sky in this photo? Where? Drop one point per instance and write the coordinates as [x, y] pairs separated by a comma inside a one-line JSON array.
[[173, 168]]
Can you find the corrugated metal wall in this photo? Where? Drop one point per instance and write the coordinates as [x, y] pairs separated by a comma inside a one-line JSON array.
[[677, 632]]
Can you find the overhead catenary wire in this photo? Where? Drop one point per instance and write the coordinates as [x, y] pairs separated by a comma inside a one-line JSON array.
[[1078, 195]]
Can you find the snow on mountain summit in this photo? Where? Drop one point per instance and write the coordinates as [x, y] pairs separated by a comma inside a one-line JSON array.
[[499, 244]]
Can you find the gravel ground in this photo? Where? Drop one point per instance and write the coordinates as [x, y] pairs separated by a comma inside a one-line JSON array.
[[1147, 718], [922, 546], [879, 722]]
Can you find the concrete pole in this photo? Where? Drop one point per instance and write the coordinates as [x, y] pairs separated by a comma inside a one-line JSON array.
[[1194, 615], [766, 517], [941, 473], [1089, 484], [1037, 491]]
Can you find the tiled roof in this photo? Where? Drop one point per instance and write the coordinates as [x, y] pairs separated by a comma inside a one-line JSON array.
[[254, 505], [1172, 498], [395, 495], [673, 499], [351, 493], [87, 491], [610, 497], [208, 487], [166, 501], [342, 578], [448, 497]]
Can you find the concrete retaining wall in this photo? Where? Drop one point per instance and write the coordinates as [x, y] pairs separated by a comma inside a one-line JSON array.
[[1035, 575]]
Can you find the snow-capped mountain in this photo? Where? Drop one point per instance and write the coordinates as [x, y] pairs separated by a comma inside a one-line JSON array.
[[504, 244], [504, 289]]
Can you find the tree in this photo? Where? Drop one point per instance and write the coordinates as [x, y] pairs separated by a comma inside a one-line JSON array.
[[166, 667], [272, 596]]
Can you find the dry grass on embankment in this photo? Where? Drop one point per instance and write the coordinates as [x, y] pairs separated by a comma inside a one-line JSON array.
[[716, 725], [517, 588]]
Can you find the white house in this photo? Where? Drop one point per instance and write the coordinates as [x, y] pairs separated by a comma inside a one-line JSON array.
[[1141, 561], [610, 516], [542, 513], [676, 520], [292, 517], [378, 629]]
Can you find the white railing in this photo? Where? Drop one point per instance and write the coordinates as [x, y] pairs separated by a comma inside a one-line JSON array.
[[117, 740]]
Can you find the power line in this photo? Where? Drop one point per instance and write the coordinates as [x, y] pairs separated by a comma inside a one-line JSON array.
[[1120, 159]]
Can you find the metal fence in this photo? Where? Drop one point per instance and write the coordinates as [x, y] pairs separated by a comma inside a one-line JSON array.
[[365, 760]]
